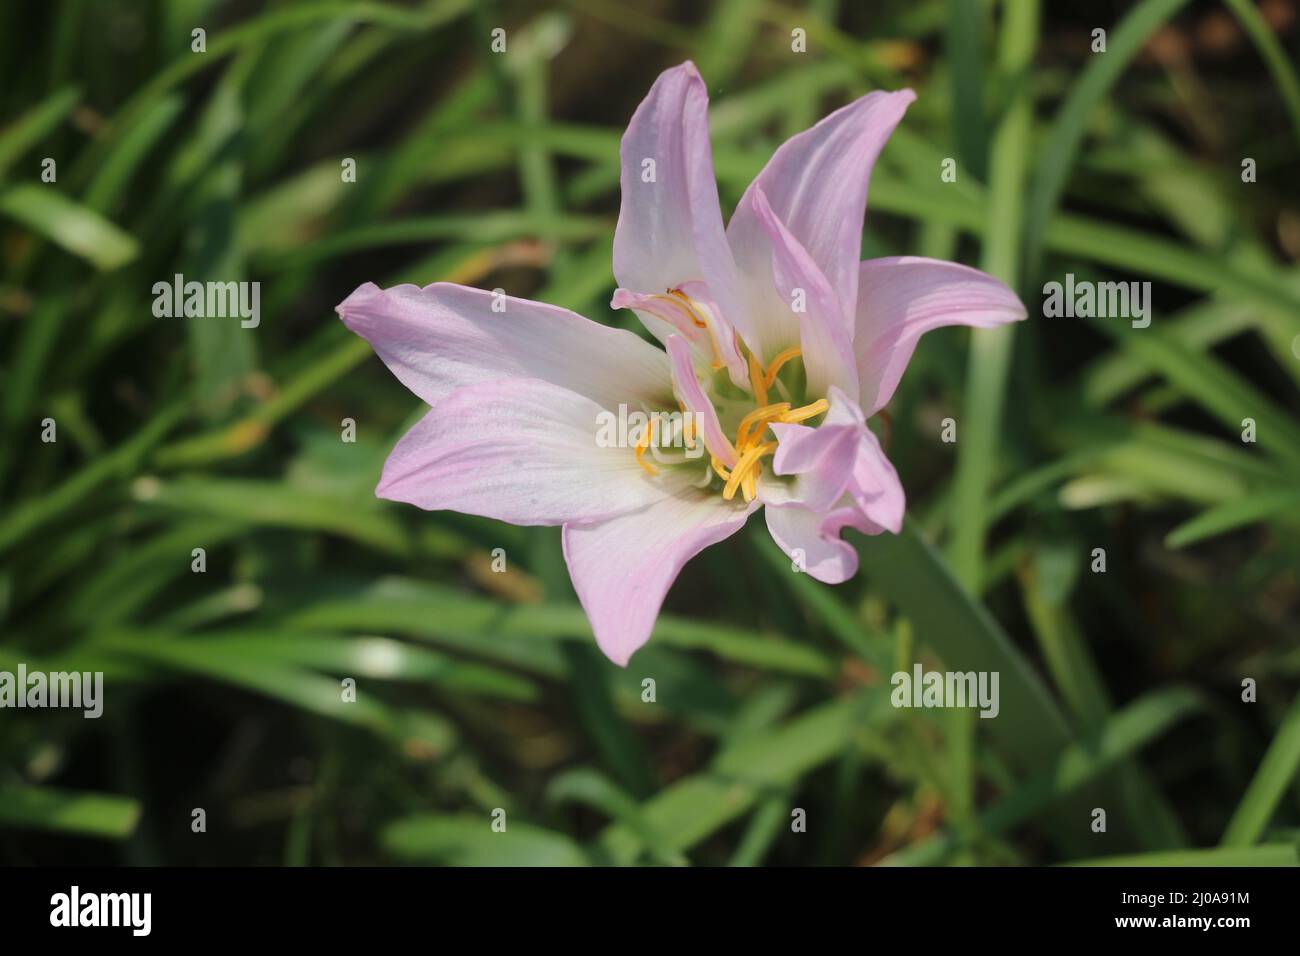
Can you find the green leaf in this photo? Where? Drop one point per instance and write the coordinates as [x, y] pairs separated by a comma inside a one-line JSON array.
[[1119, 737], [287, 683], [1030, 729], [68, 811], [1259, 506], [962, 44], [35, 125], [1212, 384], [471, 841], [27, 516], [989, 359], [375, 658], [595, 790], [1275, 56], [276, 504], [1276, 772], [691, 809], [409, 607], [1063, 140], [83, 232], [1281, 854]]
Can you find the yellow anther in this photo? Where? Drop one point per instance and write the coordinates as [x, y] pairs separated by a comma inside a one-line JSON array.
[[780, 360], [690, 308], [806, 412], [685, 300], [759, 417], [750, 446], [753, 454], [643, 445]]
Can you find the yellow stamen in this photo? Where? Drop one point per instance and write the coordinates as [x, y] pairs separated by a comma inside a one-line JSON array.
[[643, 445], [777, 362], [690, 308], [759, 417], [747, 462], [699, 323], [756, 380], [750, 447], [806, 412]]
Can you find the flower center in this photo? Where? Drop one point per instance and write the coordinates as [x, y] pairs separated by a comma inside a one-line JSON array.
[[751, 444], [751, 409]]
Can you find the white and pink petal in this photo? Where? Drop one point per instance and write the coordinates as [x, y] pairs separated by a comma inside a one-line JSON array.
[[816, 183], [801, 533], [824, 324], [622, 568], [441, 337], [524, 451], [697, 402], [901, 298], [670, 228]]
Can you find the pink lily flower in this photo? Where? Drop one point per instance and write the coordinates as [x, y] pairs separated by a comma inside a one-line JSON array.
[[776, 338]]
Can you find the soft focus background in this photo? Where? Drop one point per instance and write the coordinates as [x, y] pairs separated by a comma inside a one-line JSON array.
[[478, 690]]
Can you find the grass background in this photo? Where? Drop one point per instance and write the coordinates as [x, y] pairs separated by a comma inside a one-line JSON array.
[[479, 691]]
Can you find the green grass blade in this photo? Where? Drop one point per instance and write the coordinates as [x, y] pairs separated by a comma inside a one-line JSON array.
[[70, 225], [470, 841], [1275, 56], [1276, 772], [1119, 737], [1066, 135], [27, 516], [1212, 384], [990, 352], [691, 809], [586, 786], [1259, 506], [68, 811], [418, 609], [1281, 854], [34, 125], [962, 43]]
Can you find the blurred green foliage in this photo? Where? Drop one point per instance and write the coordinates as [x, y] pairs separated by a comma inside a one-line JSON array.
[[479, 691]]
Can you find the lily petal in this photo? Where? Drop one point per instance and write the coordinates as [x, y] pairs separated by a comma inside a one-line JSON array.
[[817, 183], [693, 397], [622, 568], [445, 336], [901, 298], [523, 451], [875, 487], [670, 222], [664, 315], [841, 463], [821, 461], [800, 533], [825, 332]]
